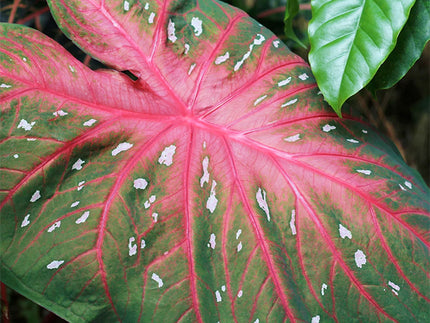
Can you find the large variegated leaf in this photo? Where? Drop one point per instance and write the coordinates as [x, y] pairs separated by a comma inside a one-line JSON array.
[[216, 187]]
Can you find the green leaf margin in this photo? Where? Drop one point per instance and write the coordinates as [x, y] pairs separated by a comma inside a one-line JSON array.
[[410, 45]]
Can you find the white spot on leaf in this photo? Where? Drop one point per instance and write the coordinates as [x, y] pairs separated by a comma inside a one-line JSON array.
[[395, 287], [316, 319], [238, 233], [132, 247], [222, 58], [223, 288], [155, 217], [212, 242], [24, 124], [344, 232], [60, 113], [360, 258], [293, 138], [408, 184], [293, 222], [403, 189], [218, 296], [303, 76], [261, 98], [31, 139], [286, 104], [328, 128], [5, 86], [36, 195], [364, 171], [353, 141], [26, 221], [80, 185], [239, 246], [212, 201], [262, 203], [15, 156], [140, 183], [121, 147], [166, 156], [89, 123], [257, 41], [187, 49], [364, 131], [54, 226], [126, 6], [323, 289], [197, 25], [146, 6], [276, 43], [142, 244], [83, 217], [157, 279], [78, 164], [151, 18], [74, 204], [205, 176], [171, 31], [55, 264], [257, 321], [240, 294], [151, 200], [191, 69], [284, 82]]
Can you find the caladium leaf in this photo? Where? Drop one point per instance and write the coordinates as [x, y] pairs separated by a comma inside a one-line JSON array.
[[350, 40], [217, 187], [408, 50]]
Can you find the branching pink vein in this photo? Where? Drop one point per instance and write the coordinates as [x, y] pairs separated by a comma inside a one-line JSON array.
[[324, 234], [104, 216], [188, 231], [260, 238]]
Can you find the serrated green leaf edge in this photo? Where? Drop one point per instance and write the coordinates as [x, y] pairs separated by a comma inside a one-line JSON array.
[[342, 64], [409, 47]]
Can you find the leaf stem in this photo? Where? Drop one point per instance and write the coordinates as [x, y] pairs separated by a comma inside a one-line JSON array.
[[33, 15], [281, 9], [4, 304], [14, 8]]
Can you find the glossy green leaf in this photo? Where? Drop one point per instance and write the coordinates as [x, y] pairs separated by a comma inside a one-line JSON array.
[[292, 8], [350, 40], [409, 48]]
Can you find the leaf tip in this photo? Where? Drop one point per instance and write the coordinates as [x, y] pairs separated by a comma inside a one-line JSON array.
[[338, 111], [334, 102]]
